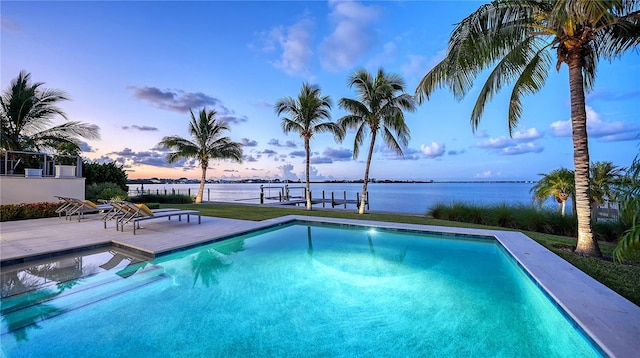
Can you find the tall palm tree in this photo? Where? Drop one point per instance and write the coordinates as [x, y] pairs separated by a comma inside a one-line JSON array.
[[520, 37], [603, 177], [208, 143], [27, 110], [307, 113], [379, 109], [558, 184]]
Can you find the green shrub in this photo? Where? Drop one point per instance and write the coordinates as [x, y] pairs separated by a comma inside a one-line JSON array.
[[28, 211], [437, 211], [609, 230], [521, 217], [97, 173], [163, 199], [504, 217], [104, 191]]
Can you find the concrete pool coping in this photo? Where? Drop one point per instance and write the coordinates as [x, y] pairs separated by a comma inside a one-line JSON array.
[[612, 321]]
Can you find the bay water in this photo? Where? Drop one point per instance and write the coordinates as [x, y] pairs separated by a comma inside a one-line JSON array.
[[411, 198]]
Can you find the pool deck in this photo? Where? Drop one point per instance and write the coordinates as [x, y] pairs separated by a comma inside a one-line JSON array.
[[611, 320]]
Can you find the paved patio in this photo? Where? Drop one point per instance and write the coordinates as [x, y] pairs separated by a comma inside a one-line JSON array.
[[611, 320], [28, 239]]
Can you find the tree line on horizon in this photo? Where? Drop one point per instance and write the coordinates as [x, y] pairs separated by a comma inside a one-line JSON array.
[[515, 40]]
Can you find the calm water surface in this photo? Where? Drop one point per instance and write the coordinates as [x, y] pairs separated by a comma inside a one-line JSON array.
[[414, 198]]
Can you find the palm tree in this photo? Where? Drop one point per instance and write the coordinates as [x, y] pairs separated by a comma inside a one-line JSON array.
[[379, 109], [307, 113], [208, 143], [603, 177], [520, 38], [27, 110], [558, 184]]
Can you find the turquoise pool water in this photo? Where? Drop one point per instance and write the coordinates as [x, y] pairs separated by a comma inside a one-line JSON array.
[[296, 290]]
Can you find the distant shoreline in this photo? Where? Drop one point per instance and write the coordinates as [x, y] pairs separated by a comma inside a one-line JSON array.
[[277, 181]]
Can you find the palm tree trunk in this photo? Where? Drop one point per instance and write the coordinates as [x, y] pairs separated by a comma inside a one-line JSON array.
[[587, 244], [564, 206], [307, 149], [363, 200], [201, 188]]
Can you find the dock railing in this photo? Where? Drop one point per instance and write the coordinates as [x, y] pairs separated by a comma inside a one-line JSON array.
[[284, 197]]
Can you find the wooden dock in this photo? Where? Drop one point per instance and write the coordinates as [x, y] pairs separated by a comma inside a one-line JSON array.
[[284, 198]]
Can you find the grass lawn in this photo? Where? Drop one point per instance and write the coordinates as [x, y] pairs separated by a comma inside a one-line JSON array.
[[624, 279]]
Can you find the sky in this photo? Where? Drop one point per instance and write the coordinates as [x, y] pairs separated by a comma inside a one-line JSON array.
[[136, 69]]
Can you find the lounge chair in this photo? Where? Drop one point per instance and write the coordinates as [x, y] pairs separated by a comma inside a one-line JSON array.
[[123, 210], [138, 212], [74, 206], [67, 204]]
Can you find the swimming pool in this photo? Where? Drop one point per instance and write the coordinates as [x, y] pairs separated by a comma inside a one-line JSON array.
[[296, 290]]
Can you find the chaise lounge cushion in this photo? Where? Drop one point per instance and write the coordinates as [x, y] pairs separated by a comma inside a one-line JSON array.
[[90, 203], [145, 209]]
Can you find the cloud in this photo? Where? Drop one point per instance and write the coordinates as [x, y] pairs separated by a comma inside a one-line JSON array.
[[233, 119], [298, 153], [351, 37], [263, 103], [338, 154], [389, 51], [268, 153], [526, 135], [415, 66], [173, 100], [320, 160], [407, 153], [248, 142], [433, 150], [487, 174], [141, 128], [456, 152], [9, 24], [285, 172], [295, 43], [129, 158], [521, 142], [85, 147], [276, 143], [153, 158], [597, 128], [329, 155], [249, 158], [521, 148], [314, 174]]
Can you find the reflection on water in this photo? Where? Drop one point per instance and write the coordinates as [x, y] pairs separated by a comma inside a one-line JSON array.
[[27, 290]]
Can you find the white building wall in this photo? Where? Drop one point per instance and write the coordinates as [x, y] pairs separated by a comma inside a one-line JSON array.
[[19, 190]]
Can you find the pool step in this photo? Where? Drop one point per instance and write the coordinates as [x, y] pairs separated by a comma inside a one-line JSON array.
[[30, 308]]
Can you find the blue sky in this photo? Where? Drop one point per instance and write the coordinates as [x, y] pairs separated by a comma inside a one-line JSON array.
[[135, 68]]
